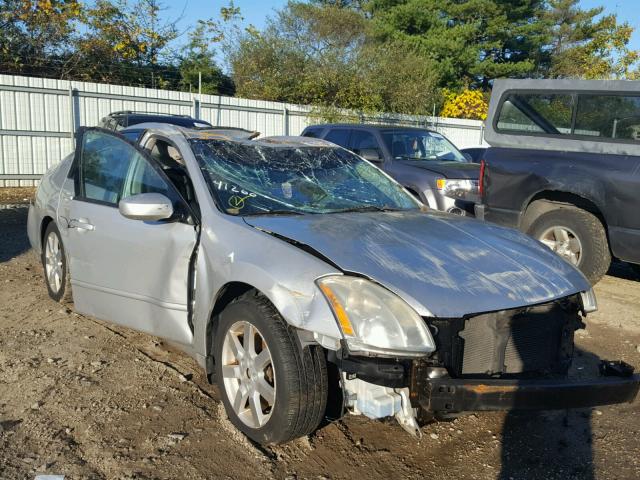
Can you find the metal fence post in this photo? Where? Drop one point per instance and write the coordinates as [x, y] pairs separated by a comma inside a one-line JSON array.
[[72, 113], [481, 134], [285, 121]]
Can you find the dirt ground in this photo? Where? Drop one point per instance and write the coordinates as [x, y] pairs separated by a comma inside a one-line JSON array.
[[88, 400]]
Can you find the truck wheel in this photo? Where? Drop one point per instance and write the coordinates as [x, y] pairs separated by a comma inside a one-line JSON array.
[[54, 262], [273, 390], [636, 269], [576, 235]]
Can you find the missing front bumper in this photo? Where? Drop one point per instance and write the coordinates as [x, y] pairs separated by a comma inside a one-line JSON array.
[[462, 395]]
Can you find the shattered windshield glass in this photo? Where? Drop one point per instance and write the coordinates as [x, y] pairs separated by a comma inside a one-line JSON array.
[[420, 145], [251, 178]]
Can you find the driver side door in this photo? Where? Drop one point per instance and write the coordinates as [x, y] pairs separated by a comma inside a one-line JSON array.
[[130, 272]]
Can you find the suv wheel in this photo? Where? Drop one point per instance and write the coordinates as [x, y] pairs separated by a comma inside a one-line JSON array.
[[576, 235], [272, 389], [54, 262]]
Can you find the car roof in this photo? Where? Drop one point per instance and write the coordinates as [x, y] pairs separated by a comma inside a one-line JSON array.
[[369, 126], [232, 134]]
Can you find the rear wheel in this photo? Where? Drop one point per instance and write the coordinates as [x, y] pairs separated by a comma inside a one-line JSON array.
[[272, 389], [54, 262], [576, 235]]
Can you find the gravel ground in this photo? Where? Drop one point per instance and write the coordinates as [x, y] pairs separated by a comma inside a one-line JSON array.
[[90, 400]]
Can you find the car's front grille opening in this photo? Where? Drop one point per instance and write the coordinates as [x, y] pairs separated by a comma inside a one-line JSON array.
[[516, 342]]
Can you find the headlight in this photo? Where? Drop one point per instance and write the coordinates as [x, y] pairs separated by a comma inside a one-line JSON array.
[[373, 320], [589, 302], [457, 188]]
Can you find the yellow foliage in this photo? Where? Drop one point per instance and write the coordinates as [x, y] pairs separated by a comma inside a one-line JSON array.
[[469, 104]]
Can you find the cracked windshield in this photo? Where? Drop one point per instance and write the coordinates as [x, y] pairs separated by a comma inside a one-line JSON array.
[[259, 179], [421, 145]]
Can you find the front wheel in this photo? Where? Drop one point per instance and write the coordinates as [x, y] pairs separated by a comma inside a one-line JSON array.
[[54, 262], [273, 390], [576, 235]]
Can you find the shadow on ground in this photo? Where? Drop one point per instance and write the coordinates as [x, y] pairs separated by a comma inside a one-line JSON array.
[[551, 444], [13, 221], [624, 270]]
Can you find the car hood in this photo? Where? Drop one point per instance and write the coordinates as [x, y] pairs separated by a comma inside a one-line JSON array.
[[441, 264], [447, 169]]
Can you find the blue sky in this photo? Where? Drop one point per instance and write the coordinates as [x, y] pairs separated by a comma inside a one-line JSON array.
[[255, 12]]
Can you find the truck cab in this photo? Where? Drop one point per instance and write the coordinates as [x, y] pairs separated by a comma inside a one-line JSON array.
[[564, 166]]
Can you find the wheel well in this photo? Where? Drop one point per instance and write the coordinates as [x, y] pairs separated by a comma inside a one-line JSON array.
[[226, 295], [43, 228], [548, 200]]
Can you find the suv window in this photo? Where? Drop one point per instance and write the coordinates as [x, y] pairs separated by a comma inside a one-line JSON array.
[[339, 136], [312, 132], [362, 140], [536, 113], [608, 116]]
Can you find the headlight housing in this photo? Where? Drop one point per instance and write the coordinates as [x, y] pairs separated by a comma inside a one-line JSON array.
[[457, 188], [373, 320]]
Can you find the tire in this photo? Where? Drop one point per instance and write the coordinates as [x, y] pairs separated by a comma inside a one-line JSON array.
[[298, 376], [58, 285], [595, 258], [636, 268]]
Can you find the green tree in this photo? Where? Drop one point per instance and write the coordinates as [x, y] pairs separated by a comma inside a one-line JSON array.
[[472, 41], [320, 53], [37, 34], [587, 44]]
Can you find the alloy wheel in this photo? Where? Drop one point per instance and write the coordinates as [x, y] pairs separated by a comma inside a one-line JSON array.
[[564, 242], [248, 374], [53, 262]]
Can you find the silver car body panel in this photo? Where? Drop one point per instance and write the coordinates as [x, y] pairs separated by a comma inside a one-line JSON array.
[[135, 274], [443, 265]]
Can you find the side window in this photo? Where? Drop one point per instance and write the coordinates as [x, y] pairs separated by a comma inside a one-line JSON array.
[[361, 140], [339, 136], [312, 132], [111, 169], [143, 178], [104, 164], [536, 113], [608, 116]]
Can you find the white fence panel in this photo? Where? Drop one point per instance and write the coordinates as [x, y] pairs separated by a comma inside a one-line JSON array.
[[39, 116]]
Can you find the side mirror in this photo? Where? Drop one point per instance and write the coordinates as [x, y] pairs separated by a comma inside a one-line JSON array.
[[371, 154], [146, 206]]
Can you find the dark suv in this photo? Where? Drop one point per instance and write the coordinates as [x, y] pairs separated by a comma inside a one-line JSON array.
[[564, 166], [423, 161]]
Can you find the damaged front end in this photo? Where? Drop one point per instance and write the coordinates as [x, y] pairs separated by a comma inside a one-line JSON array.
[[515, 359]]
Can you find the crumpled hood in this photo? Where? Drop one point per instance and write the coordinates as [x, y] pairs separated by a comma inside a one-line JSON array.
[[447, 169], [451, 266]]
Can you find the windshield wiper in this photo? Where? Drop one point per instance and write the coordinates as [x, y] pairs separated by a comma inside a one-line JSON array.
[[271, 212], [366, 208]]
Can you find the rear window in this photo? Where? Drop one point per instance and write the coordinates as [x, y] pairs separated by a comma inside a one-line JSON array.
[[536, 113], [608, 116]]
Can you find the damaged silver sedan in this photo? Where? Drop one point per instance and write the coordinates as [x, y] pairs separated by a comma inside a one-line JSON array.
[[309, 284]]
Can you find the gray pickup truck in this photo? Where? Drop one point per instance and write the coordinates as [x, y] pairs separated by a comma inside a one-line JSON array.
[[564, 167]]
